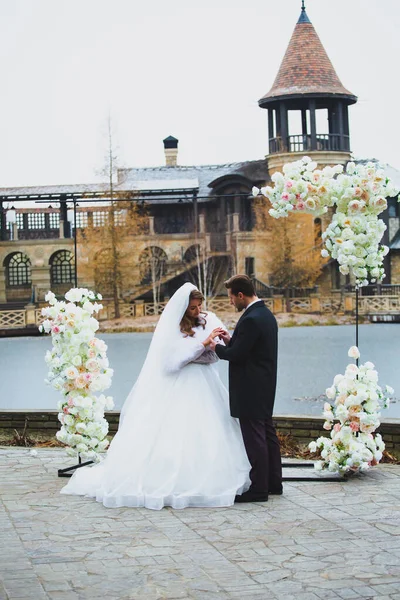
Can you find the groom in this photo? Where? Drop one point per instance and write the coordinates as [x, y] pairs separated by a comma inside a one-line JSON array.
[[252, 356]]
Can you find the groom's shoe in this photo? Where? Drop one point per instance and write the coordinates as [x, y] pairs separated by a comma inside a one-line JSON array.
[[250, 496], [276, 492]]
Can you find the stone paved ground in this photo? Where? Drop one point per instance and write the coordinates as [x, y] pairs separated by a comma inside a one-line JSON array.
[[318, 541]]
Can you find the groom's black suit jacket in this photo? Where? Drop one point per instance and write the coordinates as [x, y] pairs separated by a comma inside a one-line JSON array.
[[252, 355]]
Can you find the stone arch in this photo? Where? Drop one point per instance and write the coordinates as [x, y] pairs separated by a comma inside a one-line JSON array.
[[103, 273], [152, 264], [18, 278], [192, 253], [62, 268]]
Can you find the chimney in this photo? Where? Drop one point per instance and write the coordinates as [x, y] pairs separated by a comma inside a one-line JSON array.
[[171, 151]]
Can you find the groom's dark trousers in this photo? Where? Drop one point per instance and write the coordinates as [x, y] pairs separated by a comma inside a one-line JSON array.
[[252, 355]]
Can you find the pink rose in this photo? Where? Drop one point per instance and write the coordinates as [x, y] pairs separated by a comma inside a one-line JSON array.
[[289, 184], [300, 205], [354, 426], [70, 402], [285, 196], [56, 329], [336, 427]]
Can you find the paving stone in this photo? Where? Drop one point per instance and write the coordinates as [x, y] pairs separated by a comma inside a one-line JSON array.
[[319, 541]]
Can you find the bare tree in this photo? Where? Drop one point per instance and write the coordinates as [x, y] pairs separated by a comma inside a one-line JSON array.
[[110, 231], [291, 248]]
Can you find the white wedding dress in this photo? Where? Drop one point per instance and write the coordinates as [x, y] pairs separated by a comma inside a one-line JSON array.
[[177, 444]]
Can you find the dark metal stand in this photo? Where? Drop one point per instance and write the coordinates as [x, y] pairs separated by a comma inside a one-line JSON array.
[[75, 247], [69, 471], [308, 465], [357, 321]]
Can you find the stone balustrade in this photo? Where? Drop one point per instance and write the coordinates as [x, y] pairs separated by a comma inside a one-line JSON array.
[[312, 304]]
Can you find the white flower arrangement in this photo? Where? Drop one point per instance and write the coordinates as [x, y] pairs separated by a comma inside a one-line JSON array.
[[78, 368], [359, 194], [357, 402]]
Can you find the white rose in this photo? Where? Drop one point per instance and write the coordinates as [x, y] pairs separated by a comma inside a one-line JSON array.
[[50, 297], [88, 307], [330, 392], [354, 352], [312, 446], [82, 448]]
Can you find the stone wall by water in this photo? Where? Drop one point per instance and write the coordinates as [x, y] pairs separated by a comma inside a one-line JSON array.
[[302, 429]]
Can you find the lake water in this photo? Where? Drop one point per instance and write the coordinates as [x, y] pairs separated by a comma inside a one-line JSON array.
[[309, 358]]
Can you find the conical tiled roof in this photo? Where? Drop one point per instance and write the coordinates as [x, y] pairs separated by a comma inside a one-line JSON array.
[[306, 68]]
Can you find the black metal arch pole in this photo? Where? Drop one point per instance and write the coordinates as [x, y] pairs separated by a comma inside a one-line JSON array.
[[357, 320], [75, 247]]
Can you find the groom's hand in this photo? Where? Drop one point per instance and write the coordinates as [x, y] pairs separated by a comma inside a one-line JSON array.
[[224, 335]]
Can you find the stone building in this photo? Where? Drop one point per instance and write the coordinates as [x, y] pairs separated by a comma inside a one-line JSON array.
[[197, 215]]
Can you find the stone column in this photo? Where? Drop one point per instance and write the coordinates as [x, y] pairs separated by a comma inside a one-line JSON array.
[[40, 274], [348, 303], [278, 304], [315, 303], [151, 225], [139, 308], [30, 314], [235, 222], [202, 224]]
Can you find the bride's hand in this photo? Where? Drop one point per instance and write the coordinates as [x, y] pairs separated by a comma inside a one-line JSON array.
[[224, 335], [215, 333]]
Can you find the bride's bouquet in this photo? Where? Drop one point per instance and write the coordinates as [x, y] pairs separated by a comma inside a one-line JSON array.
[[79, 369], [359, 194], [352, 419]]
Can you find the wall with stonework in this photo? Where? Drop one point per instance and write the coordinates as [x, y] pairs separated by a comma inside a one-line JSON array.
[[302, 429], [395, 267]]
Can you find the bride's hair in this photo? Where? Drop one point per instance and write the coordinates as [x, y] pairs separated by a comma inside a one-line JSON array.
[[187, 323]]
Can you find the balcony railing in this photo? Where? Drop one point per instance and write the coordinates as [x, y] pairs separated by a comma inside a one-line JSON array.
[[305, 143]]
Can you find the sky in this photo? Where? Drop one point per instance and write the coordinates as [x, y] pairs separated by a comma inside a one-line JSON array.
[[194, 69]]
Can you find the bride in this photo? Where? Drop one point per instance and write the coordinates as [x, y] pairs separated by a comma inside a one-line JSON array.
[[176, 444]]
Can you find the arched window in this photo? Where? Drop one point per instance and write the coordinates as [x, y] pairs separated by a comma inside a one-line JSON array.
[[153, 264], [317, 231], [103, 272], [192, 253], [18, 270], [62, 268]]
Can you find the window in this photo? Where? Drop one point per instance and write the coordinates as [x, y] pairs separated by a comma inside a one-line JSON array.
[[19, 221], [36, 221], [54, 220], [99, 218], [62, 269], [249, 266], [392, 207], [153, 264], [81, 219], [120, 217], [18, 270], [317, 231]]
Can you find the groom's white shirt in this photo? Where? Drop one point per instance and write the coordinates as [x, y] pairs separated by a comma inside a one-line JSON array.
[[251, 303]]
